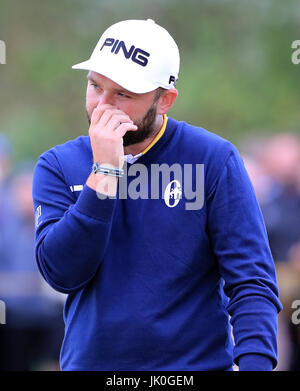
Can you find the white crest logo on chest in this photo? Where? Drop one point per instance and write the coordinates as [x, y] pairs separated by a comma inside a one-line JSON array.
[[173, 193]]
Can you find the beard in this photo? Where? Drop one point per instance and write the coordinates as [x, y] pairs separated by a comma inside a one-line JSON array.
[[145, 127]]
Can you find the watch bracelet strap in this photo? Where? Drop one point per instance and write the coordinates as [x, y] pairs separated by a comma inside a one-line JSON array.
[[118, 172]]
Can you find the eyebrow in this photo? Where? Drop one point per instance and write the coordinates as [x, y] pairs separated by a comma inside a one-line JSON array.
[[125, 92], [89, 77], [120, 89]]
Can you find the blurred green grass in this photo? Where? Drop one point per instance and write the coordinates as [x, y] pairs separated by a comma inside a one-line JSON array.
[[236, 74]]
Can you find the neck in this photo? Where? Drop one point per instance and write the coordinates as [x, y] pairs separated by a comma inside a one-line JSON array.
[[140, 147]]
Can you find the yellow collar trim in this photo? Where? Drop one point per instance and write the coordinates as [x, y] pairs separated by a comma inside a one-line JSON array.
[[158, 136]]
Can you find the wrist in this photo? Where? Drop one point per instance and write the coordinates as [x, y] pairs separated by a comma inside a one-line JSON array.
[[103, 184], [116, 163]]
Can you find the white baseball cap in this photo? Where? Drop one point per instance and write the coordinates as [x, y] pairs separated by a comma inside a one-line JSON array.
[[139, 55]]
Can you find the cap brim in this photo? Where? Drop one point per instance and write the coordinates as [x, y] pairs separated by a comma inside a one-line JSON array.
[[132, 84]]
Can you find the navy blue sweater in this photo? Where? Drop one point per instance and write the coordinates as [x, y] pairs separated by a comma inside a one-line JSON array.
[[153, 287]]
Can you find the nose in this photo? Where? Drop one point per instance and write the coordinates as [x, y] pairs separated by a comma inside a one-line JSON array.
[[105, 99]]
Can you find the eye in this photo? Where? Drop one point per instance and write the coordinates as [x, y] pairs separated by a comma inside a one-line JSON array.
[[95, 85], [124, 95]]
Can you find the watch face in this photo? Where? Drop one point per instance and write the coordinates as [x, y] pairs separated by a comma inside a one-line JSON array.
[[95, 168]]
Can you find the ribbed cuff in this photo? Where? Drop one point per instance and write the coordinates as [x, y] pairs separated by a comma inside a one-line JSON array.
[[89, 204], [255, 362]]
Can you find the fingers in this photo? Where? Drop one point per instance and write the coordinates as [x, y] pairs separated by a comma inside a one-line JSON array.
[[103, 113], [116, 120], [111, 117], [119, 124], [125, 127], [108, 118], [98, 112]]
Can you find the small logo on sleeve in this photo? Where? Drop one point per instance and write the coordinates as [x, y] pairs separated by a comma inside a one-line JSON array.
[[76, 188], [37, 215]]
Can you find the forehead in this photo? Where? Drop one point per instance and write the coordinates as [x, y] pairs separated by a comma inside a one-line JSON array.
[[107, 83]]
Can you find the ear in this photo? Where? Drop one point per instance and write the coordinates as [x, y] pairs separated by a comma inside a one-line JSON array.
[[166, 100]]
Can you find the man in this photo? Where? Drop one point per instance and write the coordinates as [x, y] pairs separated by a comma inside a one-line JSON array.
[[148, 277]]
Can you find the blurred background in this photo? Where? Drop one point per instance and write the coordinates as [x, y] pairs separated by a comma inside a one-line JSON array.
[[236, 79]]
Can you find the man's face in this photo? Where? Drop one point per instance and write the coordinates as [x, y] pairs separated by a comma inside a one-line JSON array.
[[141, 108]]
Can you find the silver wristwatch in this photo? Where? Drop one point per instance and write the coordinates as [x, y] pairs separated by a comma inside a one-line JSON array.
[[98, 168]]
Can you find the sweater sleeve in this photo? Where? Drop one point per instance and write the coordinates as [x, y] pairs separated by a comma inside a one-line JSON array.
[[71, 237], [255, 362], [240, 244]]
